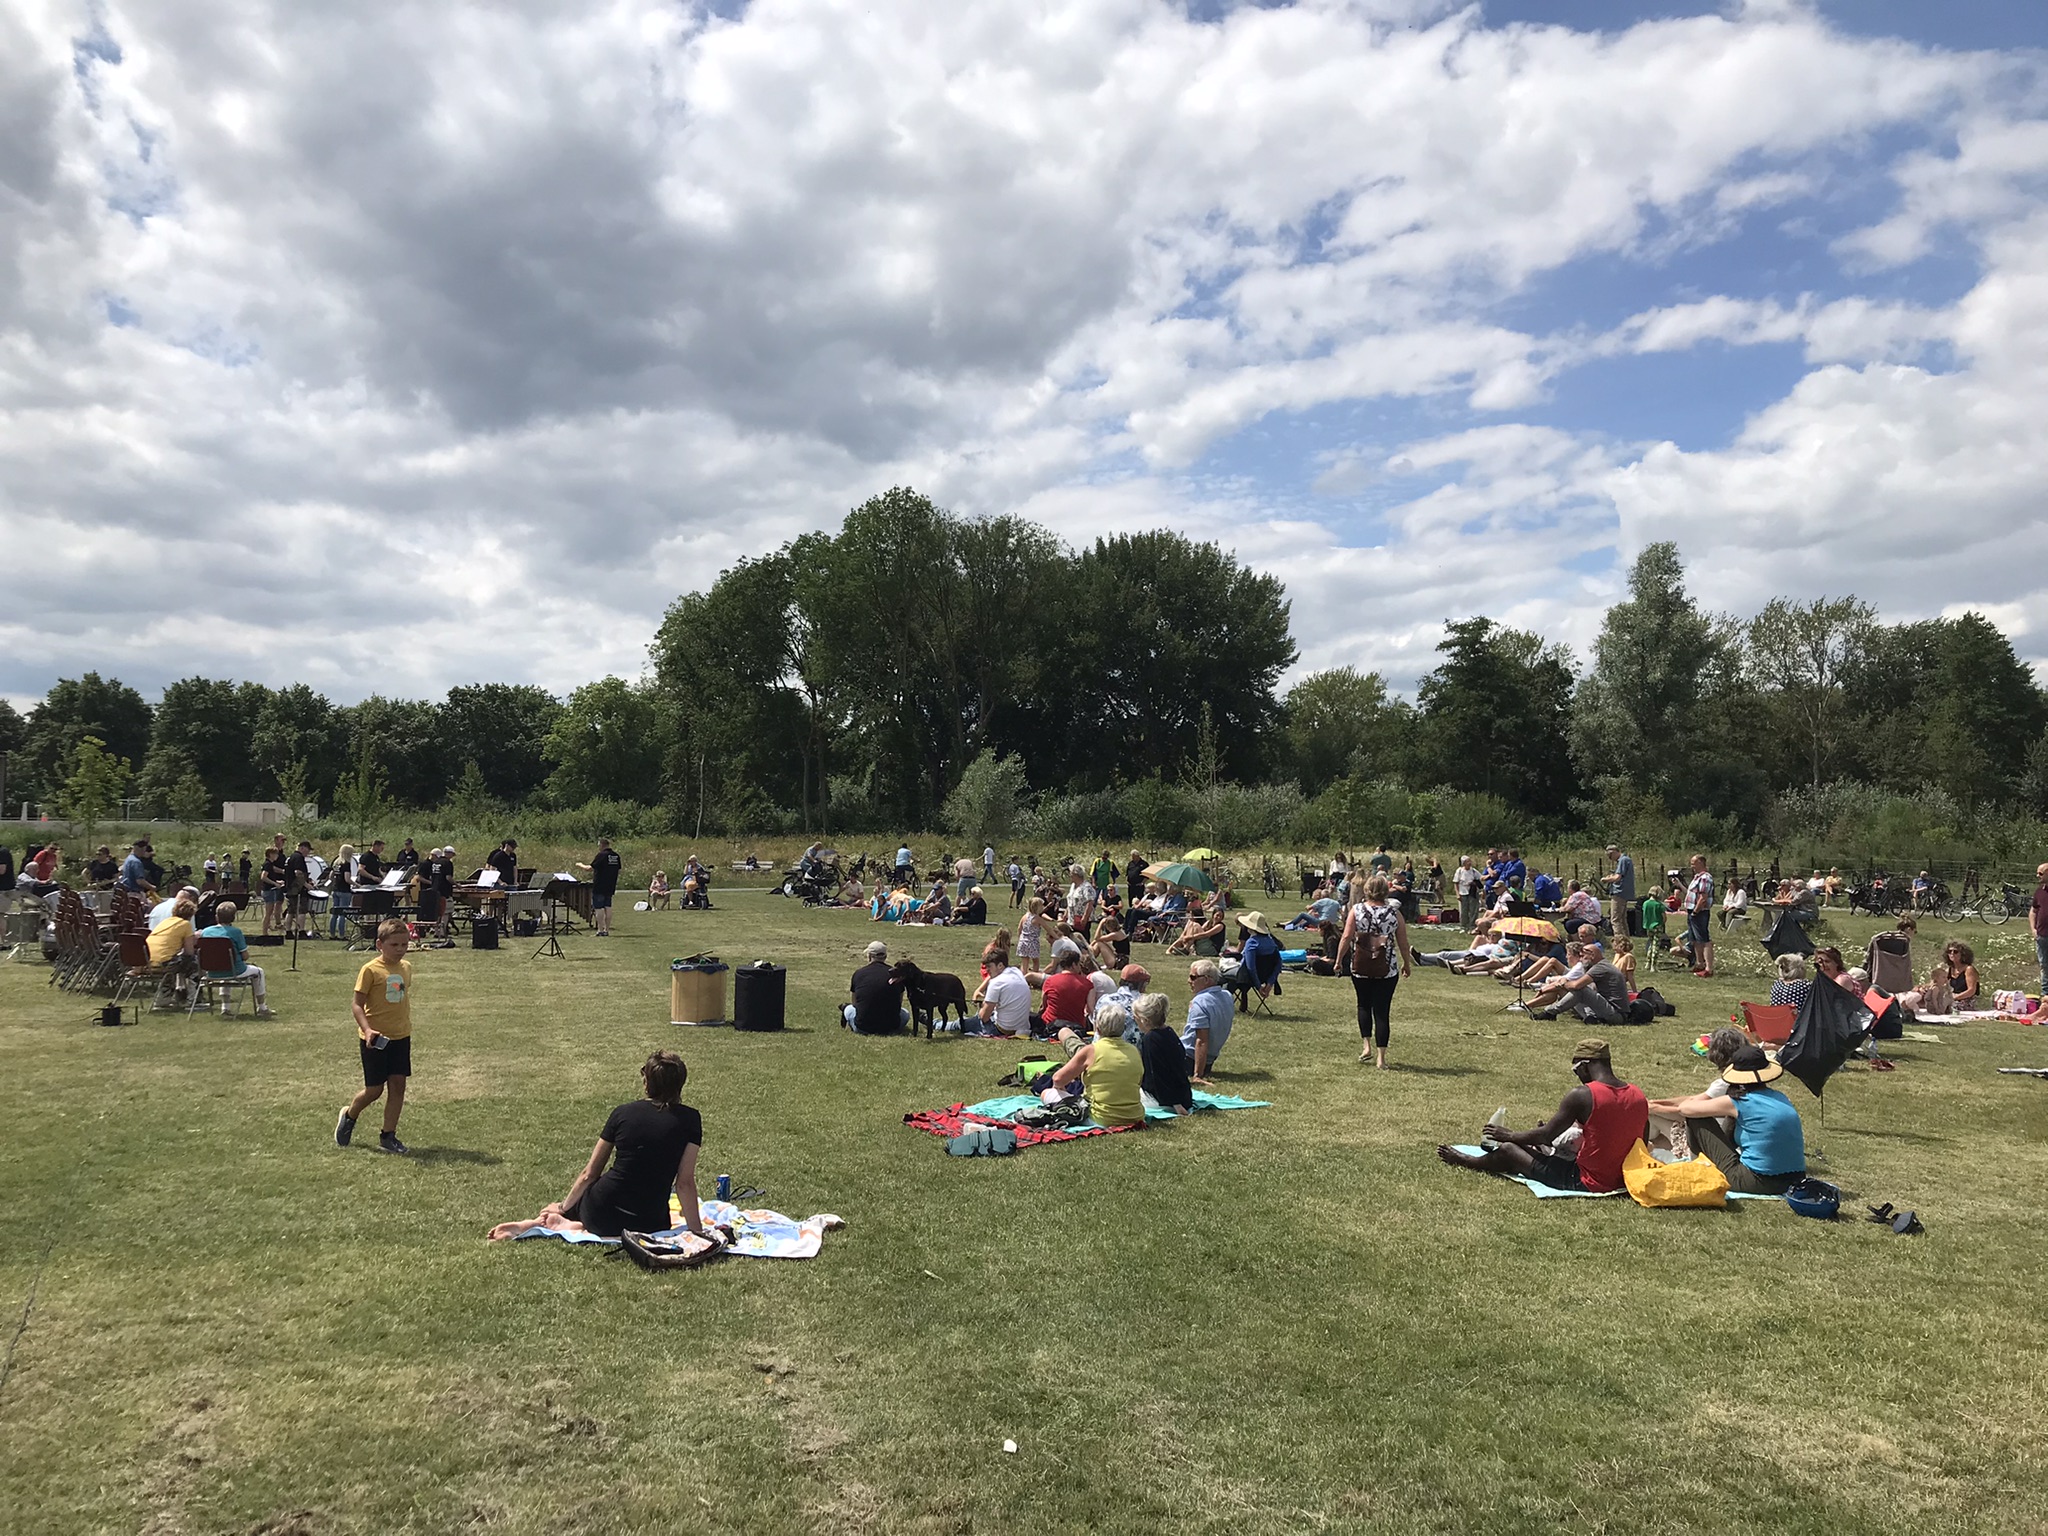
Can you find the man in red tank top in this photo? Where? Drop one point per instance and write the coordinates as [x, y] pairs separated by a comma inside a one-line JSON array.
[[1613, 1117]]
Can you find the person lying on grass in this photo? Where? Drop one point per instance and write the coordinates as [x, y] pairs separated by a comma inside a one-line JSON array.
[[1612, 1116], [1108, 1068], [655, 1141]]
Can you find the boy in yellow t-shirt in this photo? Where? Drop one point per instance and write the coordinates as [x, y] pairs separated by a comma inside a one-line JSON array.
[[383, 1014]]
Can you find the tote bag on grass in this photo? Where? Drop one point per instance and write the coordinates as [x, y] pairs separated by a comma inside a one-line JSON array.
[[1694, 1182]]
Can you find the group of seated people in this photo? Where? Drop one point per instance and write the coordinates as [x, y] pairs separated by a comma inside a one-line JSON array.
[[176, 924], [1590, 975], [693, 889], [1072, 993], [1748, 1129]]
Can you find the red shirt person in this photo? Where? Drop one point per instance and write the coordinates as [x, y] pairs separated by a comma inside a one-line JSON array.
[[1613, 1117]]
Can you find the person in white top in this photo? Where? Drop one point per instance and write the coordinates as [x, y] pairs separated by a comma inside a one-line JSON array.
[[1081, 894], [1006, 1002], [162, 910]]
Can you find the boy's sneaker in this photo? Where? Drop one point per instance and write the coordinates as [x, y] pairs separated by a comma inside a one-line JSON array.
[[266, 1012], [386, 1142], [344, 1128]]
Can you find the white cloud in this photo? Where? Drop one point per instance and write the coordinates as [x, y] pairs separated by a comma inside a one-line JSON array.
[[420, 345]]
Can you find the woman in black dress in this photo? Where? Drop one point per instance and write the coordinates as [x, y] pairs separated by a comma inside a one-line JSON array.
[[651, 1147]]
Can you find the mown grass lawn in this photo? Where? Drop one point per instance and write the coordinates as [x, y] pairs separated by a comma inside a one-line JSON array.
[[1288, 1319]]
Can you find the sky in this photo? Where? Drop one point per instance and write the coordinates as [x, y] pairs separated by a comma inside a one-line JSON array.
[[387, 347]]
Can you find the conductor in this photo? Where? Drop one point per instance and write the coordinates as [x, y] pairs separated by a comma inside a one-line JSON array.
[[604, 869]]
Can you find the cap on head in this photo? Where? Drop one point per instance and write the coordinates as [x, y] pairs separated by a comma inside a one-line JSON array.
[[877, 950], [1135, 975], [1592, 1049]]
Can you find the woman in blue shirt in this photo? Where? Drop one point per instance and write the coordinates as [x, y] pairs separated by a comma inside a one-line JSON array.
[[1766, 1155]]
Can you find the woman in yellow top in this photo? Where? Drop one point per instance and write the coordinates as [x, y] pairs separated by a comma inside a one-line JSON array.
[[1109, 1068], [174, 945], [383, 1015]]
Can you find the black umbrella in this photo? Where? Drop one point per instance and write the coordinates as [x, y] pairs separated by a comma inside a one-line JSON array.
[[1786, 936], [1832, 1023]]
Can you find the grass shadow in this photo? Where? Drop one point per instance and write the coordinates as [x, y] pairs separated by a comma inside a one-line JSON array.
[[1422, 1071], [453, 1155]]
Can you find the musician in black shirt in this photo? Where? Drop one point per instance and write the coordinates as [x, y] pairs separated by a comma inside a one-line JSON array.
[[437, 889], [505, 860], [604, 868], [370, 866], [407, 856]]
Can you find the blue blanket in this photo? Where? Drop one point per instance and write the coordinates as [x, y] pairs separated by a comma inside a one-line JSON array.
[[1545, 1192], [1007, 1107]]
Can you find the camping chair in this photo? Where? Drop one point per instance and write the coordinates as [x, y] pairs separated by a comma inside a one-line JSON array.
[[1253, 982], [218, 955], [1767, 1024]]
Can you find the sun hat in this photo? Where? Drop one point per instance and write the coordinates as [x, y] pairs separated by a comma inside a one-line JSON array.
[[1256, 921], [1751, 1066], [1592, 1049]]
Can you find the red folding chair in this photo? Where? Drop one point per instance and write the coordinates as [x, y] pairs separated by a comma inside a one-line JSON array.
[[1767, 1023]]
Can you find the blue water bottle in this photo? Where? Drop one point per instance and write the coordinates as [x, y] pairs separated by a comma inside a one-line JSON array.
[[725, 1186]]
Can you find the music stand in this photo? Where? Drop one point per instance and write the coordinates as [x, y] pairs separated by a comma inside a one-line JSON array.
[[551, 899]]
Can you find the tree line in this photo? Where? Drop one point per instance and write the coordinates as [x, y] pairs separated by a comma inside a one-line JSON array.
[[916, 669]]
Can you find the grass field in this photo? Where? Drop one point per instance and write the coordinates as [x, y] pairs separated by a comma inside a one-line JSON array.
[[1281, 1320]]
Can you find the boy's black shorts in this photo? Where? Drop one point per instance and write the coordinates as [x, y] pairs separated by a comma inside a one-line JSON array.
[[395, 1060]]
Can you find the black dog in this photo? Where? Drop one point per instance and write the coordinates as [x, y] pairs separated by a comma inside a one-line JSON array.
[[929, 992]]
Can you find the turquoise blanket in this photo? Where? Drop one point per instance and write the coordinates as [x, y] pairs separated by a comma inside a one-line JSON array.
[[1545, 1192], [1007, 1107]]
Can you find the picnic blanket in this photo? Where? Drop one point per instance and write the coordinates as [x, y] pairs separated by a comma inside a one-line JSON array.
[[1969, 1017], [760, 1234], [1545, 1192], [951, 1121]]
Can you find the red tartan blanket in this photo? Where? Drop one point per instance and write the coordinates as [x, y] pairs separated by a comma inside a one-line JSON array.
[[952, 1121]]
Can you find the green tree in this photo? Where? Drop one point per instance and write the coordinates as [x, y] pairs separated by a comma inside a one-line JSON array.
[[164, 771], [988, 802], [1163, 626], [405, 742], [104, 708], [1637, 706], [607, 742], [470, 800], [502, 728], [295, 789], [1341, 722], [94, 782], [1493, 717], [297, 725], [213, 722], [360, 799], [189, 802], [1803, 653]]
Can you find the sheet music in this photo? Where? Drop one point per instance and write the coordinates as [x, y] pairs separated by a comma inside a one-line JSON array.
[[393, 879], [487, 878]]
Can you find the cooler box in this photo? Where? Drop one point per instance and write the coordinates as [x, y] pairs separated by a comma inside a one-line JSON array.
[[757, 996], [696, 992]]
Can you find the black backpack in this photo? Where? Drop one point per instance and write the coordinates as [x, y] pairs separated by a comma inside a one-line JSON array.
[[1659, 1009]]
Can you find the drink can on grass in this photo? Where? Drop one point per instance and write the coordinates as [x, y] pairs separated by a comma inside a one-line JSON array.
[[725, 1186]]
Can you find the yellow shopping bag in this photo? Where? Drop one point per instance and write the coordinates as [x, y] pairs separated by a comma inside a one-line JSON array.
[[1694, 1182]]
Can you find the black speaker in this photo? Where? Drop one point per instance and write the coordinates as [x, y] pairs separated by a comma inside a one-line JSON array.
[[525, 927], [757, 996], [483, 933]]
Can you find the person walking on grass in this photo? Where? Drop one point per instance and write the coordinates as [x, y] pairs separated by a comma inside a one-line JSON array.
[[383, 1016], [604, 867], [1699, 912], [1374, 952]]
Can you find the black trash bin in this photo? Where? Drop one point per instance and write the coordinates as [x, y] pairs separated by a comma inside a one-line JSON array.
[[757, 995]]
